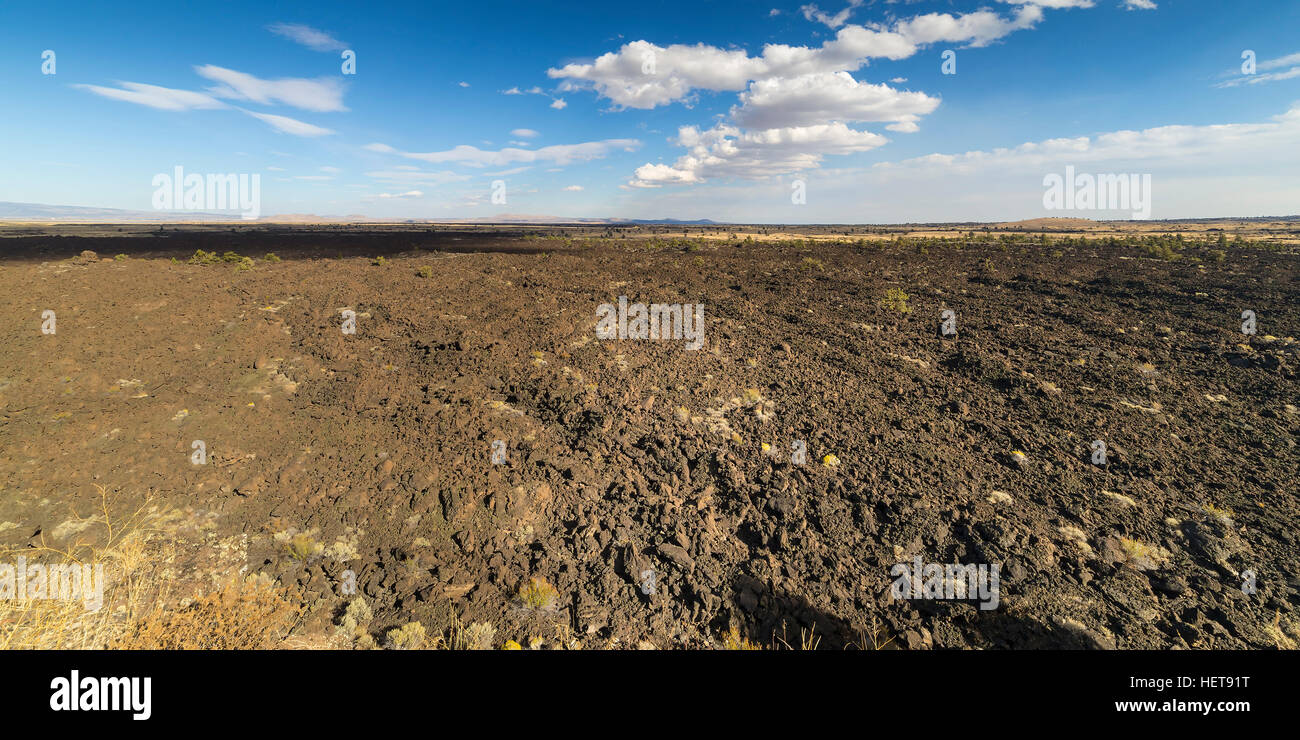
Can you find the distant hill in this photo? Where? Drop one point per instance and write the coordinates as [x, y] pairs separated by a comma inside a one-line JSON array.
[[1054, 223]]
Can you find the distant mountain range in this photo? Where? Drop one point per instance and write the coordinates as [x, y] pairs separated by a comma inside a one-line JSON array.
[[72, 214]]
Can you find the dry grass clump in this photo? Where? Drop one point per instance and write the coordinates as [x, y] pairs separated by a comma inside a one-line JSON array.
[[52, 624], [1224, 514], [409, 636], [1143, 556], [480, 636], [124, 549], [734, 641], [352, 626], [136, 553], [244, 615], [1284, 633], [536, 593], [302, 546], [353, 632]]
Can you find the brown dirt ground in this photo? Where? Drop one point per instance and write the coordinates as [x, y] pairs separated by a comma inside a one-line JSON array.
[[375, 449]]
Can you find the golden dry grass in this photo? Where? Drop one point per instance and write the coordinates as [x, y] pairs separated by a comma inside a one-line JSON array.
[[135, 551], [121, 547], [1285, 634], [243, 615]]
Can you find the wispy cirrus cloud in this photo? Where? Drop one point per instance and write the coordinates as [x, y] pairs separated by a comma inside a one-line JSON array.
[[399, 196], [1286, 61], [556, 103], [400, 176], [1256, 143], [287, 125], [1262, 73], [1256, 79], [171, 99], [472, 156], [321, 96], [307, 36], [154, 96]]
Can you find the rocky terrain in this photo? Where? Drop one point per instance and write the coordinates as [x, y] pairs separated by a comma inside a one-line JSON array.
[[475, 456]]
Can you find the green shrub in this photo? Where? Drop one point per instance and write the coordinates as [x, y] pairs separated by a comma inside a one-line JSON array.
[[895, 300]]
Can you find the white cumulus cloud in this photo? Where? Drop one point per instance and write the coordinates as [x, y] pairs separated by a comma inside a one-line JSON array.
[[726, 151], [824, 97]]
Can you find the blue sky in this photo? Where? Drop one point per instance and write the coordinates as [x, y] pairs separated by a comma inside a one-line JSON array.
[[645, 110]]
